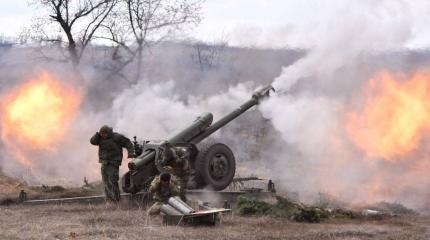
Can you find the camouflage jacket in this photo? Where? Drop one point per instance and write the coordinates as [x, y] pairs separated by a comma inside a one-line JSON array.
[[110, 149], [160, 193], [169, 162]]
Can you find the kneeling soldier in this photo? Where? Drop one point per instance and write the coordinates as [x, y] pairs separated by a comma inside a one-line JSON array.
[[162, 188]]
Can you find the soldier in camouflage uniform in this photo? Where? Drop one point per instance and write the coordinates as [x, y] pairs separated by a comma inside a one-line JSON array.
[[110, 156], [162, 188], [175, 160]]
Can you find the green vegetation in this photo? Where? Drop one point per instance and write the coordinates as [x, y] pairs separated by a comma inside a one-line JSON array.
[[250, 206], [285, 208]]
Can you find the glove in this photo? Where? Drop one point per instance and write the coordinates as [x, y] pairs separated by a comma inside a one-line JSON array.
[[132, 155]]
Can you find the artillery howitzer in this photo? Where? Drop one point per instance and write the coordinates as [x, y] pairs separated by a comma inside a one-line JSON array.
[[212, 164]]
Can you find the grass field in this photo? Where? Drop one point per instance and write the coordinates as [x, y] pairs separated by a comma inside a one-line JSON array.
[[124, 222]]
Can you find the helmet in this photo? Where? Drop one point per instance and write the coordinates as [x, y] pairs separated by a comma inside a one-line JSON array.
[[105, 129], [182, 152], [165, 177]]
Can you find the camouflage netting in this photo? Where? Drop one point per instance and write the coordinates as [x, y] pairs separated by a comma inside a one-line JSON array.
[[285, 208]]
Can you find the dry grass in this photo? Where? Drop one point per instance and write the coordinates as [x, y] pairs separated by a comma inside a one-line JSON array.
[[10, 188], [10, 185], [123, 222]]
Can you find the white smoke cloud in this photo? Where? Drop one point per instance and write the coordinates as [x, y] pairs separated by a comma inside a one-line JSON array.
[[338, 42], [305, 122], [156, 111], [315, 93]]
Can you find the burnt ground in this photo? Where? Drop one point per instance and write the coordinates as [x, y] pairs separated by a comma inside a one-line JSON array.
[[124, 222]]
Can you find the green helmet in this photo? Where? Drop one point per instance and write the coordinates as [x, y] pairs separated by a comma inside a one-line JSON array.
[[105, 129]]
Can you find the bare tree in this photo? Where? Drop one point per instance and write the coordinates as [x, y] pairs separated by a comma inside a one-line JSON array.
[[77, 20], [138, 24], [208, 55]]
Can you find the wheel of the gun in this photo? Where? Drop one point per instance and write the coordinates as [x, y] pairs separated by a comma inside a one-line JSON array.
[[215, 166]]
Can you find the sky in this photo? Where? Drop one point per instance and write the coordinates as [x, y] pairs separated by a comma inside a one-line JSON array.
[[264, 23]]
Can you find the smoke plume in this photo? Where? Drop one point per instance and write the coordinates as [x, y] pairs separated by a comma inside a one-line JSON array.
[[318, 91]]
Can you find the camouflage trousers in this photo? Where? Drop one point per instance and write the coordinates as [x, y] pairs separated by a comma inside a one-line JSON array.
[[110, 177], [183, 181], [155, 208]]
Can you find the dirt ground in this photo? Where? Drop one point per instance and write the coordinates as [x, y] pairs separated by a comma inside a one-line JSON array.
[[123, 222]]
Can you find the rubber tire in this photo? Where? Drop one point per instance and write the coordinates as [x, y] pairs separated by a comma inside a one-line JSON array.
[[206, 152]]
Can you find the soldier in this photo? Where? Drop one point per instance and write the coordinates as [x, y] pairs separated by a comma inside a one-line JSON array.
[[162, 189], [175, 160], [110, 156], [22, 196], [271, 186], [181, 169]]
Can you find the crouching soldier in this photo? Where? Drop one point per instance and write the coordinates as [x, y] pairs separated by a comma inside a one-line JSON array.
[[110, 156], [175, 160], [162, 188]]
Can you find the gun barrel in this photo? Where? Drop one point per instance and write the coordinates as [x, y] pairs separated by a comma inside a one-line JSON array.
[[257, 97]]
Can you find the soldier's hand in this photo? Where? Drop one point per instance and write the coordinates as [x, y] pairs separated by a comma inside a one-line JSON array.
[[132, 155]]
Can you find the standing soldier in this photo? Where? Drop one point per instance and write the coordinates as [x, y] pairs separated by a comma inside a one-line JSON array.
[[22, 196], [271, 186], [110, 156], [162, 188], [181, 169]]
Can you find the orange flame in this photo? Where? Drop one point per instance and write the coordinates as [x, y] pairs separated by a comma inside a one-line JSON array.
[[37, 114], [395, 117]]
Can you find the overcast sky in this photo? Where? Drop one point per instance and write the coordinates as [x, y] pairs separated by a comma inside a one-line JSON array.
[[270, 23]]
